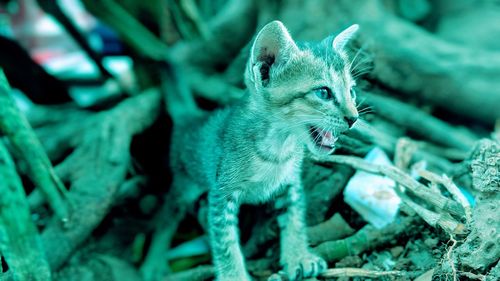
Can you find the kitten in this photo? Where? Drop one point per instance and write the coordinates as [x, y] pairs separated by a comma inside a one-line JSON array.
[[299, 96]]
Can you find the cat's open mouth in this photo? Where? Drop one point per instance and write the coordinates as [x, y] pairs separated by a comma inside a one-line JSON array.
[[324, 139]]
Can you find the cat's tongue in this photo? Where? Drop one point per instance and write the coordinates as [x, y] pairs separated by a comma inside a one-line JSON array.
[[327, 135], [327, 138]]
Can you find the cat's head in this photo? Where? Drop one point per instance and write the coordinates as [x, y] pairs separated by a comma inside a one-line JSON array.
[[306, 86]]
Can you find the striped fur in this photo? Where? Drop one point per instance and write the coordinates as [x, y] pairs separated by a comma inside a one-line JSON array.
[[253, 151]]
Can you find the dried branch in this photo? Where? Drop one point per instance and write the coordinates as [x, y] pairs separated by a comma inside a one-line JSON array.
[[434, 219], [97, 168], [433, 198], [346, 272], [20, 243], [367, 238], [27, 146], [333, 228], [358, 272], [452, 188]]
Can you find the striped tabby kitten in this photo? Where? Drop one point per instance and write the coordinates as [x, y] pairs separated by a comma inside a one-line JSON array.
[[299, 96]]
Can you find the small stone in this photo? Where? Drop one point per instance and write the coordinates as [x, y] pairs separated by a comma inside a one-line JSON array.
[[396, 251], [431, 242]]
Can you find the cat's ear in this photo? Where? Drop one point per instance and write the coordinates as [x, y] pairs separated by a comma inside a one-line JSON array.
[[341, 40], [273, 45]]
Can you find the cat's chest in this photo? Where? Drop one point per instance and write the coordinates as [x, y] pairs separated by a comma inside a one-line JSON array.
[[265, 179], [273, 173]]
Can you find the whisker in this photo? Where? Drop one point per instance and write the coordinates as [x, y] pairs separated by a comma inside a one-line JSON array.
[[365, 108], [362, 71], [362, 62], [361, 103], [366, 112], [356, 56]]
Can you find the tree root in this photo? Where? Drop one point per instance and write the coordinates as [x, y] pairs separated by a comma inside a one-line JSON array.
[[27, 146], [20, 243], [105, 143]]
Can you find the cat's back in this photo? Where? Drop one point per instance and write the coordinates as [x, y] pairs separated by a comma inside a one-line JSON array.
[[196, 146]]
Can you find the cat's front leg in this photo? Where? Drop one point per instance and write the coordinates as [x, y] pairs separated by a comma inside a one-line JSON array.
[[227, 257], [296, 258]]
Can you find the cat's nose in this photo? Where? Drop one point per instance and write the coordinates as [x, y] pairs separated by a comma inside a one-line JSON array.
[[350, 120]]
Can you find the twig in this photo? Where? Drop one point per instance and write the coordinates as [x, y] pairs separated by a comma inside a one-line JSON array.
[[358, 272], [434, 198], [367, 238], [333, 228], [452, 188], [400, 177], [26, 144], [434, 219], [403, 154], [473, 276], [344, 272]]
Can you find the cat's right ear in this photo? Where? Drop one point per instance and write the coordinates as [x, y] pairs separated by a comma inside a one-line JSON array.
[[341, 40], [273, 46]]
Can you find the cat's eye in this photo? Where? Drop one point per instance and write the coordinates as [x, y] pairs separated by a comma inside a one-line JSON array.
[[353, 94], [324, 93]]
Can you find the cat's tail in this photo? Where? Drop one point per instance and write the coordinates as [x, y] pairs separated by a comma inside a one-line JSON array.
[[180, 102]]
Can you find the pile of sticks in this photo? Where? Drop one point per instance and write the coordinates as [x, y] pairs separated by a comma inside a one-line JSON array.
[[77, 198]]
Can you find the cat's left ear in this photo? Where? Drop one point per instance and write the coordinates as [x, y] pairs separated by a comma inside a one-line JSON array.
[[345, 36], [273, 46]]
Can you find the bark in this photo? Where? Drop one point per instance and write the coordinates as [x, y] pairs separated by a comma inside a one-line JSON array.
[[20, 242], [26, 144], [106, 144]]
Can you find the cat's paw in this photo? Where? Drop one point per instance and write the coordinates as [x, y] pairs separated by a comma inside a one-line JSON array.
[[304, 266]]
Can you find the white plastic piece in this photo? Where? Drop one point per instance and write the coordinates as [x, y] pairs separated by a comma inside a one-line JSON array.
[[373, 196]]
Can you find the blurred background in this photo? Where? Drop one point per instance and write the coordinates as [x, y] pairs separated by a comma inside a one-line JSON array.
[[85, 122]]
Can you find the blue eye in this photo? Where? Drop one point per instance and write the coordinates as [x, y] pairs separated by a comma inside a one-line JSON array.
[[353, 93], [324, 93]]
